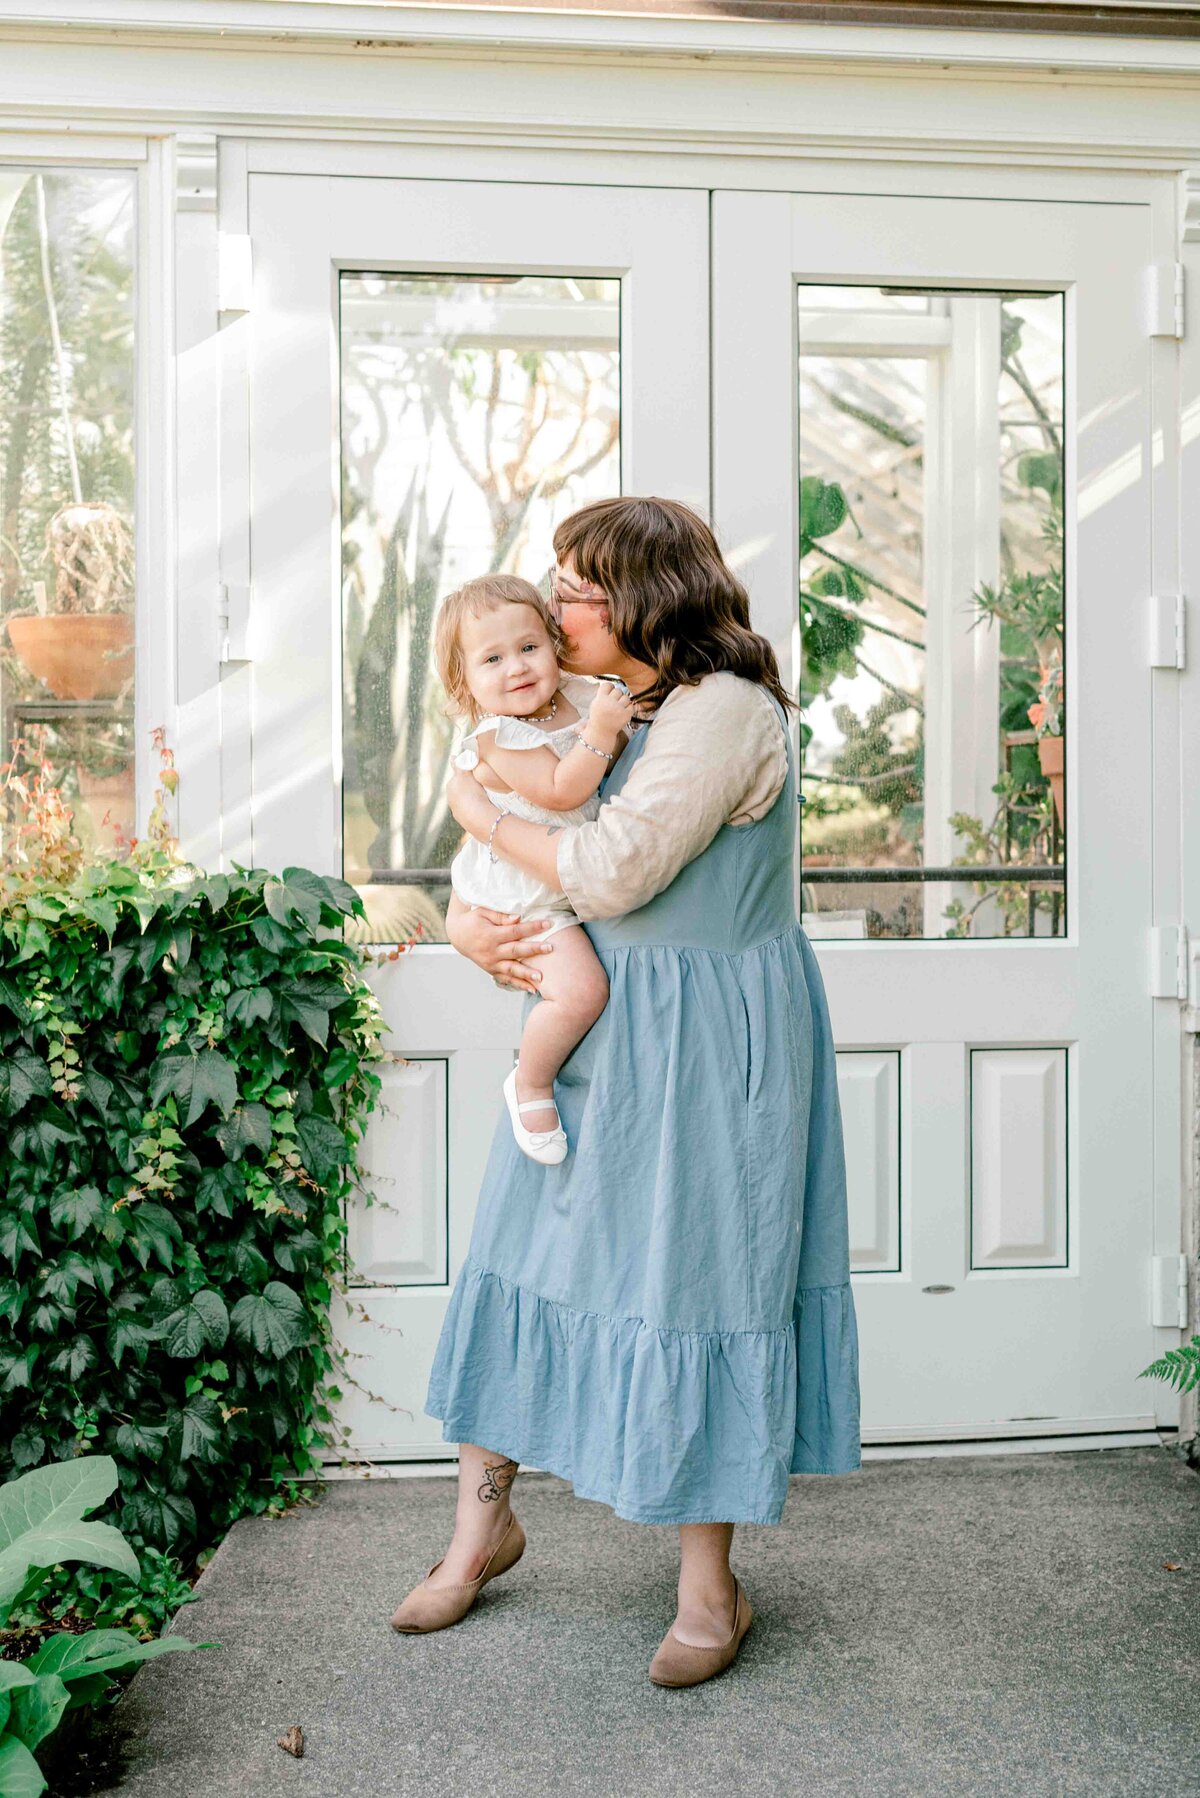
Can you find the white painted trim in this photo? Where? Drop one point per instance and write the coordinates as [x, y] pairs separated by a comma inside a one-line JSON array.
[[55, 148], [349, 26]]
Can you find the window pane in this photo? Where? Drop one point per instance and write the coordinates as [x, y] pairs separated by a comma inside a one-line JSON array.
[[66, 479], [476, 412], [931, 596]]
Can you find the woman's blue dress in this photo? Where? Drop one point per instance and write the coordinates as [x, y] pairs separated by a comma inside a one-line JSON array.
[[665, 1319]]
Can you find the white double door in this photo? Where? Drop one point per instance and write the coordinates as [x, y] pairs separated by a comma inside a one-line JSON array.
[[997, 1095]]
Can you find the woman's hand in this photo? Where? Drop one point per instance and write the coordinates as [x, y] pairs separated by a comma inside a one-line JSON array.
[[472, 808], [493, 940]]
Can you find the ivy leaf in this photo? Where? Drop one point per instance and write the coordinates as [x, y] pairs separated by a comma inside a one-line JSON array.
[[16, 1369], [97, 1089], [300, 891], [23, 1076], [18, 1232], [206, 1078], [246, 1261], [294, 1250], [273, 1321], [125, 1332], [340, 1065], [74, 1210], [151, 1230], [198, 1428], [37, 1140], [248, 1004], [218, 1189], [12, 997], [248, 1128], [12, 1298], [74, 1358], [27, 1448], [272, 936], [202, 1322], [162, 1518], [296, 1007], [141, 1438], [322, 1144]]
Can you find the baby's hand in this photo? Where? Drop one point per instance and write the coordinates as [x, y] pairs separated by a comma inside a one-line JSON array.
[[610, 711]]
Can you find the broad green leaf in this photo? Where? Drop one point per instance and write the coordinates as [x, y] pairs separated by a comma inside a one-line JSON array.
[[37, 1709], [300, 891], [141, 1438], [248, 1128], [55, 1495], [103, 1651], [296, 1007], [202, 1322], [199, 1427], [20, 1775], [27, 1448], [322, 1144], [162, 1517], [248, 1004], [273, 1322], [97, 1088], [151, 1230], [295, 1250], [206, 1078], [76, 1209], [15, 1673], [99, 1544], [18, 1233], [822, 507], [74, 1358], [12, 1298], [23, 1076]]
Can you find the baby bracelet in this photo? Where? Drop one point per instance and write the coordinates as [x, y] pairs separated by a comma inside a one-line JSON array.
[[500, 813], [606, 754]]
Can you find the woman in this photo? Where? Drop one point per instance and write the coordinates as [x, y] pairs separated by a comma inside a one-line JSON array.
[[665, 1318]]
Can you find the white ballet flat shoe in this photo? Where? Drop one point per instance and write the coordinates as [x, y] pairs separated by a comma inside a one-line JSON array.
[[546, 1146]]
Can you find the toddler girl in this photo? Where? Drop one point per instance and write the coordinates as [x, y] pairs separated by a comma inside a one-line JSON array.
[[541, 742]]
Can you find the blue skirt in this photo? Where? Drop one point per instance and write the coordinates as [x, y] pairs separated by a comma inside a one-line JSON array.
[[666, 1319]]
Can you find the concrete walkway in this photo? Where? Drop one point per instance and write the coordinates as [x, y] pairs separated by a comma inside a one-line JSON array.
[[1001, 1627]]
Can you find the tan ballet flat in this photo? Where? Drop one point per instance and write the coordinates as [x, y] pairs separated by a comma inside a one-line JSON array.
[[679, 1664], [436, 1607]]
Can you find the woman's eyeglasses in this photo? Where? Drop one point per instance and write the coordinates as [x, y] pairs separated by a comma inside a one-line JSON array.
[[562, 593]]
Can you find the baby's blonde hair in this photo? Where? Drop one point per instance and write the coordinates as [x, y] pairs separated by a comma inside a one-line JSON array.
[[473, 600]]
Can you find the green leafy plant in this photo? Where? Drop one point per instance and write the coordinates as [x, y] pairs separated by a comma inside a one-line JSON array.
[[43, 1523], [1179, 1367], [186, 1065]]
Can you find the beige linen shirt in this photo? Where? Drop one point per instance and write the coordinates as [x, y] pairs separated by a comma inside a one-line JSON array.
[[716, 755]]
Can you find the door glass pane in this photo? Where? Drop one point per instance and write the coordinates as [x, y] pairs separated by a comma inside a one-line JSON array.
[[67, 484], [931, 609], [476, 412]]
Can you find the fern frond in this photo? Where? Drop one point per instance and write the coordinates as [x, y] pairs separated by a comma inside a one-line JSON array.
[[1179, 1367]]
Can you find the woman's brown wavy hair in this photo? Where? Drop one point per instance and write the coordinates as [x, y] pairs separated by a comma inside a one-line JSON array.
[[674, 603]]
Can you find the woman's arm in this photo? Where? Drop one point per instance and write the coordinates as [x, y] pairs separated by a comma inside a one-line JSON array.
[[716, 754]]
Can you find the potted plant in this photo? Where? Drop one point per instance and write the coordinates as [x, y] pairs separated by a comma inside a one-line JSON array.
[[1046, 717], [82, 645]]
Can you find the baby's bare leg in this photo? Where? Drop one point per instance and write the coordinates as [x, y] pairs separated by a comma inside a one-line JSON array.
[[573, 992]]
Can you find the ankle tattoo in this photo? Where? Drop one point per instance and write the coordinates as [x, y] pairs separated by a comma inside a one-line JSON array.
[[498, 1476]]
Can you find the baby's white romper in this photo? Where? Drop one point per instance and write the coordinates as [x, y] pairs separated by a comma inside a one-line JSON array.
[[478, 880]]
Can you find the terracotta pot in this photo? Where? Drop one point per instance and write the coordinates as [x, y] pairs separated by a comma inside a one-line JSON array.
[[107, 794], [1050, 760], [79, 655]]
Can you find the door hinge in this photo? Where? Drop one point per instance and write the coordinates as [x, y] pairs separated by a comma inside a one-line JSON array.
[[1164, 299], [1169, 961], [233, 622], [1168, 631], [235, 272], [1169, 1292]]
